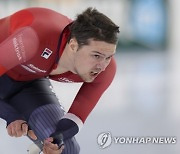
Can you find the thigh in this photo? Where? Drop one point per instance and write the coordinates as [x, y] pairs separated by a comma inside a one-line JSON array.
[[10, 87], [44, 119], [43, 122], [35, 94]]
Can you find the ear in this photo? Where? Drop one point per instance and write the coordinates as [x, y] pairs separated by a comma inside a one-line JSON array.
[[73, 44]]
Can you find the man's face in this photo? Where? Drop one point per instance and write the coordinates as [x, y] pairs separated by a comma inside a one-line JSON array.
[[90, 60]]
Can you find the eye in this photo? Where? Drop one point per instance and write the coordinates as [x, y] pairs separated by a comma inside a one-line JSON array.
[[108, 58], [97, 56]]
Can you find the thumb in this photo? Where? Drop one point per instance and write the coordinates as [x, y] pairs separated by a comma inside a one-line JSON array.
[[32, 135]]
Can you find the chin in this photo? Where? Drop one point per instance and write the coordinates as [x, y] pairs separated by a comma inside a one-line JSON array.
[[88, 79]]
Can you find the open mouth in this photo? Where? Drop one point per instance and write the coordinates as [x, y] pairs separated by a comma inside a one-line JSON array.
[[94, 73]]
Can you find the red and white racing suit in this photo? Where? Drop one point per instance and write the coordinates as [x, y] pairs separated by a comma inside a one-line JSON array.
[[31, 43]]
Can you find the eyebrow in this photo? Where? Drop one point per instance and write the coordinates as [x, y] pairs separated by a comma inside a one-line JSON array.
[[102, 53]]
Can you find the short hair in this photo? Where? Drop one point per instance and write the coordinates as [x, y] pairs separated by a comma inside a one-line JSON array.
[[92, 24]]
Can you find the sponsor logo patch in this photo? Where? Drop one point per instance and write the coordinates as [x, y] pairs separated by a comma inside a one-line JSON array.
[[65, 80], [33, 69], [46, 53]]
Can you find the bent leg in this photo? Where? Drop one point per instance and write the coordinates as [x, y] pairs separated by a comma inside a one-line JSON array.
[[43, 122], [42, 110]]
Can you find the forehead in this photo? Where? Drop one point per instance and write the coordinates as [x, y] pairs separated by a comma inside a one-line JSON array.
[[101, 46]]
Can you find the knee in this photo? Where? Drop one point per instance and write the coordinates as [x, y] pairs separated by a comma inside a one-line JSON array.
[[43, 122], [71, 146]]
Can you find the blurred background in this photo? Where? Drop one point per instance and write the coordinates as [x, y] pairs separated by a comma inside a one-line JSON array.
[[144, 98]]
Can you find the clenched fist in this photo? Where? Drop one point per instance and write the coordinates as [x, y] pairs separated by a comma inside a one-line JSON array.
[[19, 128]]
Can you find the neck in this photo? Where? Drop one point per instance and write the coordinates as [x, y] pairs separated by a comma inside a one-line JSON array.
[[65, 63]]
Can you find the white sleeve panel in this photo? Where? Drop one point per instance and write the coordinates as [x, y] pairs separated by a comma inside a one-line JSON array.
[[74, 118]]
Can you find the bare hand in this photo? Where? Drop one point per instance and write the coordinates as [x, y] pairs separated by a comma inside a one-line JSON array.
[[19, 128], [50, 148]]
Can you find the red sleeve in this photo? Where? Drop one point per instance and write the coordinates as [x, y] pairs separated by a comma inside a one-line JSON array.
[[19, 45], [90, 93]]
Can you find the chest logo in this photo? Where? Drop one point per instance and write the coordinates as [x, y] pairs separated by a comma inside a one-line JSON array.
[[46, 53]]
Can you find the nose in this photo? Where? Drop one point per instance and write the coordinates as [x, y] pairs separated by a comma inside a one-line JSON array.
[[102, 65]]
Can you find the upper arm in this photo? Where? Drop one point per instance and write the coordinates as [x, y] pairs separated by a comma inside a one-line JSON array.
[[19, 43], [18, 48]]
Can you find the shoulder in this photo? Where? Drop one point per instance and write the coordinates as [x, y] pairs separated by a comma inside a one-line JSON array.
[[33, 11], [37, 17]]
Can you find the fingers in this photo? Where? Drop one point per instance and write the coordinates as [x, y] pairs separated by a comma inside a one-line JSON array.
[[50, 148], [24, 128], [17, 128]]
